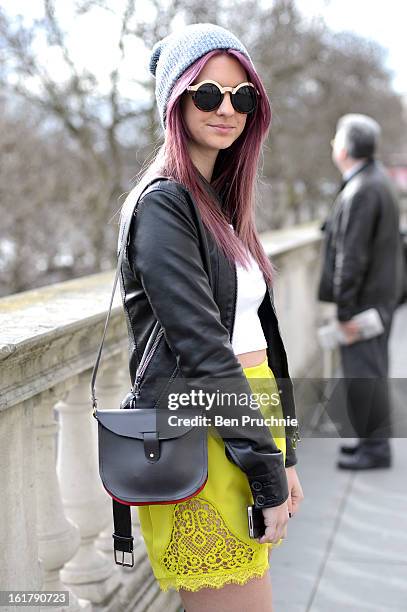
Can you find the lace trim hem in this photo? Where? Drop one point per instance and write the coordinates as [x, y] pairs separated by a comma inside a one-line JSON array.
[[214, 581]]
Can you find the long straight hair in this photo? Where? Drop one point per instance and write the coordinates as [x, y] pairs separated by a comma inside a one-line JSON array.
[[235, 172]]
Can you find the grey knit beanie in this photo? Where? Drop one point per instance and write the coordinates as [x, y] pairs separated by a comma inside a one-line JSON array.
[[172, 55]]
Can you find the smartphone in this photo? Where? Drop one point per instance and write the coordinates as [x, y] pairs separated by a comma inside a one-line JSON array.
[[255, 518]]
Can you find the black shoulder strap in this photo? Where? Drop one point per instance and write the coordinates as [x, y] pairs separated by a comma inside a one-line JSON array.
[[126, 217]]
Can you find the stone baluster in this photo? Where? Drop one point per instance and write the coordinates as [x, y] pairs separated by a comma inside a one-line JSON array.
[[89, 573], [19, 565], [58, 536]]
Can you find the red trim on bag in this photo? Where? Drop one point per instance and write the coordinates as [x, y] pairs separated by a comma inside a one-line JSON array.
[[175, 501]]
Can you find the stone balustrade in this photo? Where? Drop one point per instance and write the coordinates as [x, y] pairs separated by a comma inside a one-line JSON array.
[[55, 517]]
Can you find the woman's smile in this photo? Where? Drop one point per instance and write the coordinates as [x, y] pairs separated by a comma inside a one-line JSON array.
[[221, 128]]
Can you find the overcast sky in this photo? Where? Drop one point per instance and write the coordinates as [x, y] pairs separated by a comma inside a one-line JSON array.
[[384, 22]]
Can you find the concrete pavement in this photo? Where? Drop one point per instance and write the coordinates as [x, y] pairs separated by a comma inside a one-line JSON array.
[[346, 550]]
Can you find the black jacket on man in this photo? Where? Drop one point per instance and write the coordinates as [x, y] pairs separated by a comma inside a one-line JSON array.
[[362, 262], [173, 272]]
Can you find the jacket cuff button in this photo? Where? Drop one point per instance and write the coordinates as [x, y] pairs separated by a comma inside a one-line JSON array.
[[260, 500], [256, 485]]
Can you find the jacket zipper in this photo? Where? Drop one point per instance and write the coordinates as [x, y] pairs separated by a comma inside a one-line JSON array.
[[234, 303], [144, 363], [295, 437]]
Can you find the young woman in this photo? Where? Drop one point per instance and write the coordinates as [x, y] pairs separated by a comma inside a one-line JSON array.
[[195, 264]]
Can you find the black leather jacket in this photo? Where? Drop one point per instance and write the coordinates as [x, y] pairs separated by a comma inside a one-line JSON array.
[[174, 273], [362, 251]]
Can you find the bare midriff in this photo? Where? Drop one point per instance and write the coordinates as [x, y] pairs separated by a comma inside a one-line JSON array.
[[254, 358]]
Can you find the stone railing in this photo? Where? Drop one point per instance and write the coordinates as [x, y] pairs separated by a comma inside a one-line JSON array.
[[55, 517], [296, 255]]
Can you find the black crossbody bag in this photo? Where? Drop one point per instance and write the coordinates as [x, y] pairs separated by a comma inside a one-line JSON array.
[[142, 458]]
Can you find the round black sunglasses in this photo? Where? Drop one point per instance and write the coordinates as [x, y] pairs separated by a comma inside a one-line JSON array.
[[208, 95]]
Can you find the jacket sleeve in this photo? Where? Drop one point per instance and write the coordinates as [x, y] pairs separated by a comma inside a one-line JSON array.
[[164, 253], [359, 218]]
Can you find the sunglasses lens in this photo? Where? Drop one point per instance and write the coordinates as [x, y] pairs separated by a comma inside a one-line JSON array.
[[245, 99], [207, 97]]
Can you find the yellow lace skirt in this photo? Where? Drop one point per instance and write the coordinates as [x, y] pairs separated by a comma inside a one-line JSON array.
[[204, 541]]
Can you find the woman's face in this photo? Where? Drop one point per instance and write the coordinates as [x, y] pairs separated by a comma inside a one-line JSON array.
[[226, 71]]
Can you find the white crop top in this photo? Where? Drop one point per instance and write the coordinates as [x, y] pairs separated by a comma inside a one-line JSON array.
[[251, 287]]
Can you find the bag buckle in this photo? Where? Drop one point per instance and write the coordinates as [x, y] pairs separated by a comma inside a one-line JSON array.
[[123, 545], [94, 406], [122, 561]]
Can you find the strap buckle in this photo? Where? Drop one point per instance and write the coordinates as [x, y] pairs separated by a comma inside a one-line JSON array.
[[123, 544], [122, 561]]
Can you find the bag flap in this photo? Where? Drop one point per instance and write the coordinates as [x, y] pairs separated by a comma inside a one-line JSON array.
[[133, 422]]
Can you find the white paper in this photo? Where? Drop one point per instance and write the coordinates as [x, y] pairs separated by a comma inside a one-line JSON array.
[[369, 322]]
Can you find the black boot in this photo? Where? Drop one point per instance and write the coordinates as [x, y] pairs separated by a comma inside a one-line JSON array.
[[370, 454]]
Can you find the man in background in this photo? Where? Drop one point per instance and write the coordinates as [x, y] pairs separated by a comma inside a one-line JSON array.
[[362, 269]]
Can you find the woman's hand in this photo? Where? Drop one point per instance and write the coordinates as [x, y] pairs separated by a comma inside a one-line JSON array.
[[295, 493], [276, 520]]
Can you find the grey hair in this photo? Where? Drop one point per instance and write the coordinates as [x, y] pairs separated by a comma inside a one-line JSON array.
[[359, 135]]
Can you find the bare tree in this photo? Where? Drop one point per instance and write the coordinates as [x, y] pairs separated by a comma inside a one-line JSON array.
[[40, 177], [91, 120]]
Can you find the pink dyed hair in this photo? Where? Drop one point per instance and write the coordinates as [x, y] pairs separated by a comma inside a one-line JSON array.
[[234, 174]]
